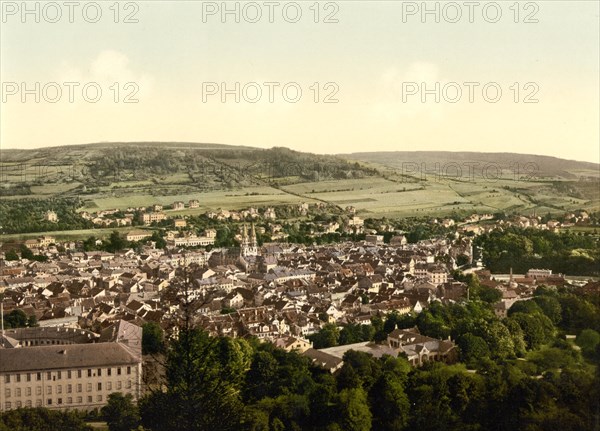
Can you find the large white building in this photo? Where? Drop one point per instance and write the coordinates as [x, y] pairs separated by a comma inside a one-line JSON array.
[[64, 368]]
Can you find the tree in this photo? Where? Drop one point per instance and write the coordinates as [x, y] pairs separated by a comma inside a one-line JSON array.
[[17, 319], [354, 411], [328, 336], [120, 413], [152, 338], [473, 348], [158, 239], [390, 404], [550, 306], [261, 377], [588, 340], [41, 419], [203, 381], [115, 242], [533, 329], [11, 255], [26, 253]]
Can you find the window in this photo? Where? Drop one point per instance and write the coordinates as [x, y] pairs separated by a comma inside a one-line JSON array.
[[99, 398], [79, 374], [59, 401], [69, 400], [48, 390], [38, 403], [128, 384], [7, 405], [99, 386], [89, 387], [109, 371], [7, 393], [119, 385], [38, 390], [58, 374], [28, 403], [28, 377], [119, 371], [79, 400], [79, 387], [18, 378], [49, 402], [69, 389], [18, 392], [7, 378], [99, 372], [19, 404], [89, 372], [109, 386], [59, 389], [28, 391], [69, 374], [39, 376], [49, 376], [128, 370], [89, 399]]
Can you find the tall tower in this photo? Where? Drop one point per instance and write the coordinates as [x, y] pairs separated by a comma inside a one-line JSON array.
[[249, 245], [253, 249]]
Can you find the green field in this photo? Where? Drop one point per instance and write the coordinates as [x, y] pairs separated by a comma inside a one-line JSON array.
[[234, 199], [382, 197], [123, 175], [72, 235]]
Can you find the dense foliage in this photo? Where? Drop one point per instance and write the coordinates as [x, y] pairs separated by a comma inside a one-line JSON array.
[[18, 319], [27, 215], [524, 376], [42, 419], [522, 249]]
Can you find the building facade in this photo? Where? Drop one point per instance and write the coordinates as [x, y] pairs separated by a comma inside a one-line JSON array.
[[42, 369]]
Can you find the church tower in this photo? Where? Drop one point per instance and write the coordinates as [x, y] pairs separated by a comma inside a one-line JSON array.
[[249, 245], [253, 249]]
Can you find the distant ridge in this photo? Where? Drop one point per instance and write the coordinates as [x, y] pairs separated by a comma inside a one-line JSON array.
[[548, 165]]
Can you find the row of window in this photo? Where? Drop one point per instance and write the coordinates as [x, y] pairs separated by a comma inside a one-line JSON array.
[[49, 401], [57, 375], [68, 388]]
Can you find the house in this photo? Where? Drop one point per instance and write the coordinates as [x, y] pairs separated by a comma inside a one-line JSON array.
[[179, 223], [51, 216], [420, 348], [138, 235], [290, 343], [194, 203], [374, 239], [178, 205]]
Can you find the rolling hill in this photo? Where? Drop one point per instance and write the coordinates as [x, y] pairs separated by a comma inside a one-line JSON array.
[[395, 184]]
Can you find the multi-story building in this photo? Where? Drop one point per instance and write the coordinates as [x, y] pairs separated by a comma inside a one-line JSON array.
[[62, 368], [138, 235], [148, 218]]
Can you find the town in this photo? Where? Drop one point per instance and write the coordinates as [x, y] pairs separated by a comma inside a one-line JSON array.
[[278, 292]]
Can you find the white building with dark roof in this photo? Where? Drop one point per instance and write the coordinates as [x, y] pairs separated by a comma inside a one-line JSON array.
[[67, 369]]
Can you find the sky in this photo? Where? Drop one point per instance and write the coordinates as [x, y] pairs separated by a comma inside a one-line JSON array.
[[323, 77]]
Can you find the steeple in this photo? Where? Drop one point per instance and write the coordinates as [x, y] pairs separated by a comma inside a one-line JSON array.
[[249, 245]]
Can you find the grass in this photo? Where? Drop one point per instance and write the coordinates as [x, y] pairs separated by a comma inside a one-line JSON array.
[[233, 199], [72, 235]]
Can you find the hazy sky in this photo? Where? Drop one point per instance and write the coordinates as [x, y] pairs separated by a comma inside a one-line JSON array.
[[376, 60]]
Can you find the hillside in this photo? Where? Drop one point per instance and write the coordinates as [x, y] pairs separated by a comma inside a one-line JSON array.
[[395, 184], [542, 167], [158, 168]]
